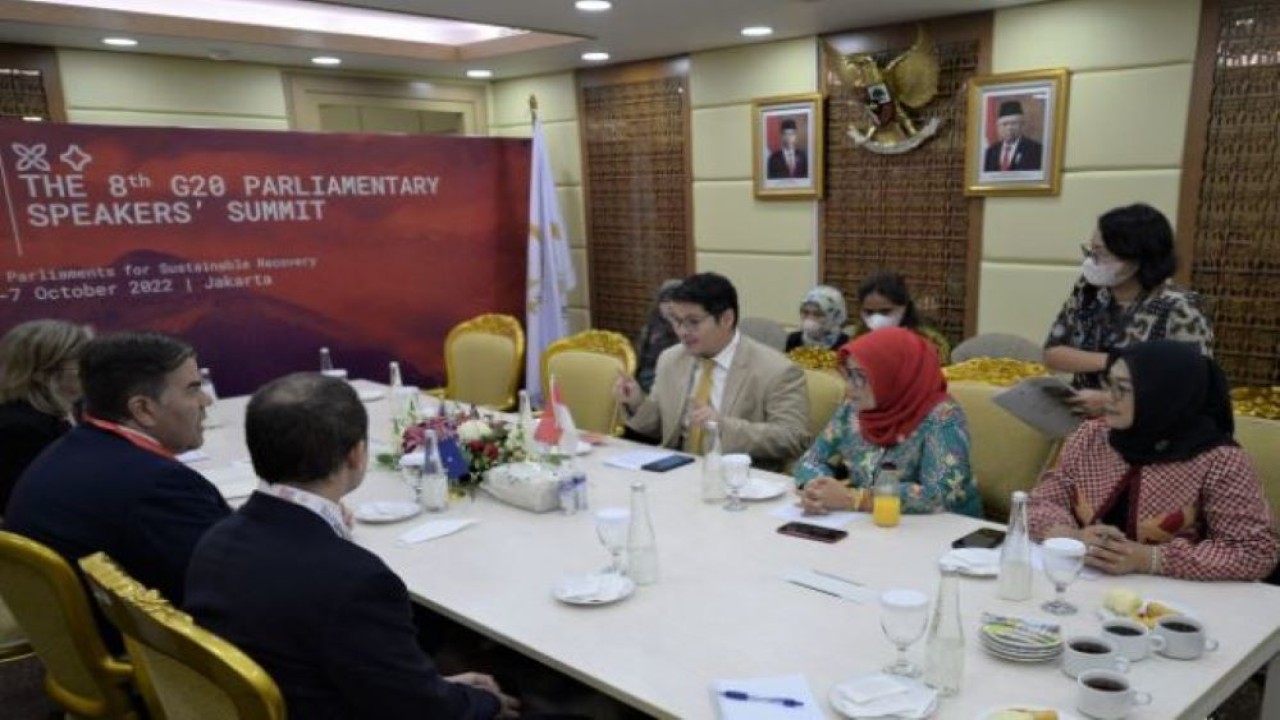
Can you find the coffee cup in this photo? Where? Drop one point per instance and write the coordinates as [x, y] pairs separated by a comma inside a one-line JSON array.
[[1090, 652], [1184, 637], [1131, 638], [1107, 695]]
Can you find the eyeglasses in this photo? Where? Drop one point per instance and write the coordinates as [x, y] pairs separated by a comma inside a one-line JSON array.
[[856, 378], [688, 323], [1115, 390], [1098, 255]]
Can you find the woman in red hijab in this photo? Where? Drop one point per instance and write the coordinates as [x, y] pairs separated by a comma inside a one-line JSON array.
[[897, 411]]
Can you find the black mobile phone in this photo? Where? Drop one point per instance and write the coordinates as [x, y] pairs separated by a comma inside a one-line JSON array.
[[813, 532], [670, 462], [980, 538]]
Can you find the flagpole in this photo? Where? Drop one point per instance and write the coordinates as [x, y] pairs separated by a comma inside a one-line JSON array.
[[533, 107]]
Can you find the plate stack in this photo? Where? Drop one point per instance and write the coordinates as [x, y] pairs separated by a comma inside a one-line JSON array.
[[1019, 639]]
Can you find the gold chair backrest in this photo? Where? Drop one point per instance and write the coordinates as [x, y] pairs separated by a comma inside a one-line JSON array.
[[13, 641], [826, 390], [1261, 439], [586, 365], [184, 671], [49, 602], [1005, 454], [484, 357]]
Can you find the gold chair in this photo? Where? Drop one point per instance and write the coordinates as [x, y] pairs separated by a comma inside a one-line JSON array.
[[1004, 453], [484, 358], [814, 358], [13, 642], [1261, 439], [826, 392], [50, 604], [184, 671], [586, 366]]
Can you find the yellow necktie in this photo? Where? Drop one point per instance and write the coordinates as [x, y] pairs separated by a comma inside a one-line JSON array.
[[701, 396]]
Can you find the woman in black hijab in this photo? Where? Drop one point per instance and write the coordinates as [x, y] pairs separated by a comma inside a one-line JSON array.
[[1158, 485]]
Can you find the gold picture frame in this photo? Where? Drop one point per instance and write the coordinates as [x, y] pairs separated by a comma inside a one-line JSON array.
[[787, 149], [1017, 132]]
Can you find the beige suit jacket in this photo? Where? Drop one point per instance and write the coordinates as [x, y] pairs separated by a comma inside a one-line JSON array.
[[764, 411]]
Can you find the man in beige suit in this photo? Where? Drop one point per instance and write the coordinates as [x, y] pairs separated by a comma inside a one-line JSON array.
[[754, 392]]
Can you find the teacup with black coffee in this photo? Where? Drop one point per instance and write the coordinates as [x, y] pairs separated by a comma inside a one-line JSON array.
[[1131, 638], [1090, 652], [1107, 695], [1184, 637]]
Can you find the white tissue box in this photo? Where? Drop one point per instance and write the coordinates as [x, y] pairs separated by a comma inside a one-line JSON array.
[[526, 485]]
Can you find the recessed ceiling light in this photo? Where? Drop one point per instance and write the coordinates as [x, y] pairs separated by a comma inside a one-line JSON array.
[[757, 31], [595, 56], [479, 74], [32, 118], [593, 5], [119, 41], [326, 60]]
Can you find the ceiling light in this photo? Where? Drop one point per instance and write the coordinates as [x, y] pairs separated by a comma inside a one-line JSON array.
[[757, 31], [479, 74], [593, 5], [32, 118], [119, 41], [595, 56], [326, 60]]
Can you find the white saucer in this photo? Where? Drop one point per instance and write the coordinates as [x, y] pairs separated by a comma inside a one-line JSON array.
[[370, 395], [593, 589], [386, 511], [763, 489]]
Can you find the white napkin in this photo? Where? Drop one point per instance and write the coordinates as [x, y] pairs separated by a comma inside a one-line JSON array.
[[911, 701], [432, 529], [973, 561], [597, 586], [833, 520], [795, 687]]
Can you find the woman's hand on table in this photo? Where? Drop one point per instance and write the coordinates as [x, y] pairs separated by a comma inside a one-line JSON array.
[[1110, 551], [822, 495]]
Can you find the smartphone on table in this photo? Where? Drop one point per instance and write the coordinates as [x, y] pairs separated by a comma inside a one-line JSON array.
[[813, 532], [980, 538], [670, 462]]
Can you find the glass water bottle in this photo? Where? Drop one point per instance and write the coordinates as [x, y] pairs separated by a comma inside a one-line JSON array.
[[1015, 554]]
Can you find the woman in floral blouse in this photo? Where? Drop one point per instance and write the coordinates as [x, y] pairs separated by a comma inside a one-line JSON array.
[[1158, 485], [1123, 298], [896, 410]]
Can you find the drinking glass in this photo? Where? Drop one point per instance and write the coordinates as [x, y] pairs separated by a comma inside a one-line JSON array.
[[903, 617], [1063, 558], [737, 470], [611, 528]]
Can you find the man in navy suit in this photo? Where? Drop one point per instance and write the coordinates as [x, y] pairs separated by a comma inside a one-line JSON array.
[[327, 619], [788, 161], [1015, 151], [113, 483]]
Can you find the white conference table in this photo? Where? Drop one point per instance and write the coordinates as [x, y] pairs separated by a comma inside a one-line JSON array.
[[721, 609]]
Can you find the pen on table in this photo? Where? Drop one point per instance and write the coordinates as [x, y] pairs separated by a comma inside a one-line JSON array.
[[748, 697], [817, 589], [836, 577]]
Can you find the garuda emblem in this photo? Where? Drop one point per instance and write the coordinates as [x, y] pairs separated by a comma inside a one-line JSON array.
[[886, 98]]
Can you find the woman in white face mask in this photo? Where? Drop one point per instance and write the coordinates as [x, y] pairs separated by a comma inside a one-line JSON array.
[[822, 318], [885, 302], [1122, 298]]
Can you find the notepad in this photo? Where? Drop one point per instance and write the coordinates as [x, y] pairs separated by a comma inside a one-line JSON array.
[[1039, 402], [636, 459]]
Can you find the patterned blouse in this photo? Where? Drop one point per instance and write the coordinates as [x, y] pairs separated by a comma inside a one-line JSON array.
[[934, 460], [1091, 320], [1207, 514]]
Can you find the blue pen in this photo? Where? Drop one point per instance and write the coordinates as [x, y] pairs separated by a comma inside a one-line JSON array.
[[748, 697]]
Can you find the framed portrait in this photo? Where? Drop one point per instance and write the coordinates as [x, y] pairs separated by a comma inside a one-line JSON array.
[[787, 147], [1017, 127]]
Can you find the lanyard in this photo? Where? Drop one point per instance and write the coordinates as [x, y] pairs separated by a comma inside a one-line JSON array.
[[137, 437], [328, 510]]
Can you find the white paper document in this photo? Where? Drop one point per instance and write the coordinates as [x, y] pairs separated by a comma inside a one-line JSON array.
[[192, 456], [1040, 402], [432, 529], [636, 459], [766, 699], [832, 584], [833, 520]]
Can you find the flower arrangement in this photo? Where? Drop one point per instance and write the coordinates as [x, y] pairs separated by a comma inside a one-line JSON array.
[[484, 443]]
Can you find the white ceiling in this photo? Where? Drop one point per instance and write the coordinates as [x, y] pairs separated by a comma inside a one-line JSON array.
[[632, 30]]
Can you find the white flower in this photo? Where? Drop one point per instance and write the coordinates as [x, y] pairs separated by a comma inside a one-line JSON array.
[[474, 430]]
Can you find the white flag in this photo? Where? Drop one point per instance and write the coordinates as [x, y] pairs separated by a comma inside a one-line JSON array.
[[551, 276]]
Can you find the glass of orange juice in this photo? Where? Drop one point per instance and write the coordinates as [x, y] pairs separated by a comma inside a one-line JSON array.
[[886, 503]]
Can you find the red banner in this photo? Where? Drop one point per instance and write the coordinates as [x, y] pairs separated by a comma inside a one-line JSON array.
[[261, 247]]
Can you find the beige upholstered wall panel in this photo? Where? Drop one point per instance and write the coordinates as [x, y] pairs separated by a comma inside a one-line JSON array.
[[736, 75], [1093, 34], [1023, 299], [1052, 228], [1128, 118], [579, 319], [723, 150], [570, 197], [557, 99], [768, 286], [180, 88], [169, 119], [728, 219], [580, 297]]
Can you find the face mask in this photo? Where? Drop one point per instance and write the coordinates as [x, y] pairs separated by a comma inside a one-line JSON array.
[[880, 321], [812, 328], [1106, 274]]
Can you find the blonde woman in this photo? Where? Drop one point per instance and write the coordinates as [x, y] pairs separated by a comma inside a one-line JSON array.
[[39, 384]]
